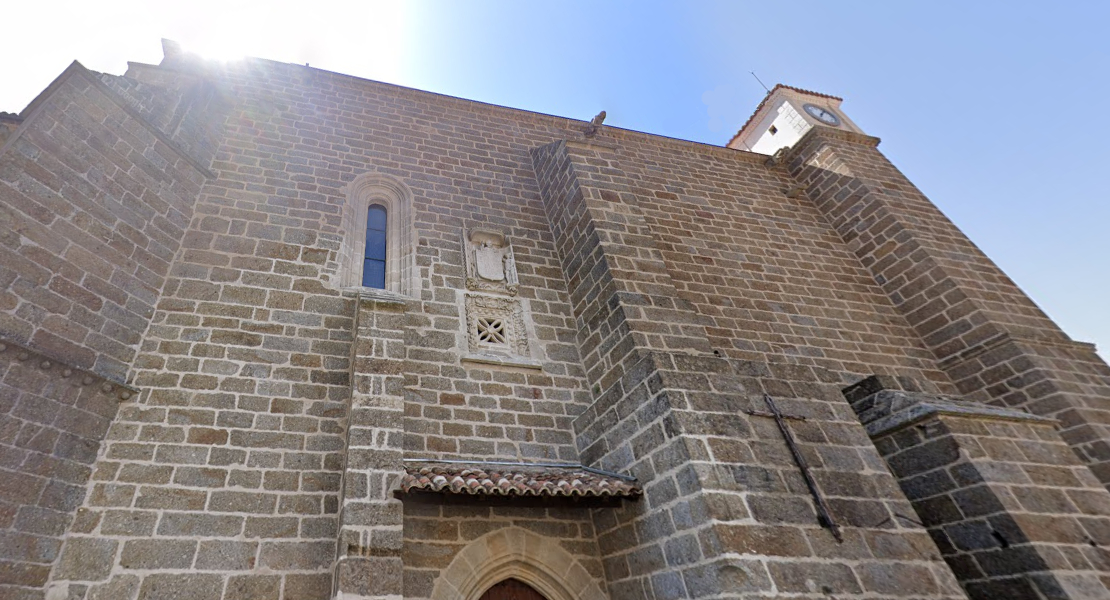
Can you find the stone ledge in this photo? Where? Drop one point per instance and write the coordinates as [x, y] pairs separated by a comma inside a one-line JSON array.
[[12, 351], [840, 134], [787, 156], [896, 409], [569, 127], [382, 299], [1009, 337], [502, 361], [598, 140]]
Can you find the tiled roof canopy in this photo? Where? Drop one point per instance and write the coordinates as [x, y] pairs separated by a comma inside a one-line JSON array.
[[516, 480]]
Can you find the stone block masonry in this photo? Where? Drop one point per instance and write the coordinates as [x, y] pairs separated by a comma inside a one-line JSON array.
[[1013, 510], [994, 343], [246, 418], [184, 235], [94, 202], [53, 419], [725, 512], [370, 519]]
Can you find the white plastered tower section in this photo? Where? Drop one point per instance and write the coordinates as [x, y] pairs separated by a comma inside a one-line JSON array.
[[782, 119]]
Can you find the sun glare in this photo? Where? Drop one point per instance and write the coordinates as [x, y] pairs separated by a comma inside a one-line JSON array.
[[366, 39]]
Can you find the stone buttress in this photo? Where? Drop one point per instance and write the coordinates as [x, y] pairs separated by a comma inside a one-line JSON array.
[[996, 345], [98, 180], [725, 512], [571, 378]]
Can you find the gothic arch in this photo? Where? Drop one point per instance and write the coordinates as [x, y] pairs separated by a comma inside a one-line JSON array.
[[396, 197], [518, 553]]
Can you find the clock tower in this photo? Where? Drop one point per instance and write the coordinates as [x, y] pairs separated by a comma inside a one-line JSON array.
[[785, 115]]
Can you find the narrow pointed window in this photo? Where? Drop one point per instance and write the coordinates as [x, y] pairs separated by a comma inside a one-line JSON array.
[[374, 265]]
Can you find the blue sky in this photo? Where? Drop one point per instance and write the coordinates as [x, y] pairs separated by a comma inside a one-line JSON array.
[[994, 109]]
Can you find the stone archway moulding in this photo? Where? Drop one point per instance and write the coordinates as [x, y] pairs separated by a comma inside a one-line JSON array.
[[520, 554], [396, 197]]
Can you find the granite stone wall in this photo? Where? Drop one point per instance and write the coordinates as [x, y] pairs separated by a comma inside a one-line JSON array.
[[725, 512], [238, 446], [660, 289], [54, 417], [94, 202], [993, 342], [1013, 510]]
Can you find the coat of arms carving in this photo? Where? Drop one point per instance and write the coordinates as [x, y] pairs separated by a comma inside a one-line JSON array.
[[490, 265]]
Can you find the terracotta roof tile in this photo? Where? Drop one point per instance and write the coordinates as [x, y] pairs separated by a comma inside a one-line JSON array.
[[511, 480], [768, 96]]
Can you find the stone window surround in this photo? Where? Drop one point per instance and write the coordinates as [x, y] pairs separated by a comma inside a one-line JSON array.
[[366, 190]]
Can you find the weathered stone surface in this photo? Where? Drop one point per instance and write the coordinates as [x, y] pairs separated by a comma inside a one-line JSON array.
[[87, 559], [979, 478], [197, 230], [194, 586]]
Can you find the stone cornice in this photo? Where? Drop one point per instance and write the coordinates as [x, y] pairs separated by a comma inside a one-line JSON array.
[[820, 133], [574, 138], [572, 129], [840, 134], [11, 350], [1008, 337], [891, 410], [967, 410]]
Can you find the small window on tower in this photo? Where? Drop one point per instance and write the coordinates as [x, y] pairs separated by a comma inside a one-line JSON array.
[[773, 130]]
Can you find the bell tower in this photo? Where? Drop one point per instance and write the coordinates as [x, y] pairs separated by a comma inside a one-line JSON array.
[[785, 115]]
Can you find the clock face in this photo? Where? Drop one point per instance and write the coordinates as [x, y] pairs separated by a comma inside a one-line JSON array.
[[822, 114]]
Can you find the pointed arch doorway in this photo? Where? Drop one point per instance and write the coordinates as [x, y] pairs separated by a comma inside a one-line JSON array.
[[512, 589], [518, 554]]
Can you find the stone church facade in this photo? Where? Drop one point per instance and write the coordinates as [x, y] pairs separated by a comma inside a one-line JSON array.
[[269, 332]]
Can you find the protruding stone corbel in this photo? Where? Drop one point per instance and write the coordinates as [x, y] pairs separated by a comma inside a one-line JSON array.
[[796, 191], [778, 157], [594, 126]]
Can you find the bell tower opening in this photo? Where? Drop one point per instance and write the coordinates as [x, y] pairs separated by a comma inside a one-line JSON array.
[[512, 589]]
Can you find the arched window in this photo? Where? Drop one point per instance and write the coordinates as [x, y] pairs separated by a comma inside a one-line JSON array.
[[378, 247], [374, 263]]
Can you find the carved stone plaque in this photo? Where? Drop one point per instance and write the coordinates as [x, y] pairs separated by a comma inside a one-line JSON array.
[[490, 262], [490, 265], [496, 325]]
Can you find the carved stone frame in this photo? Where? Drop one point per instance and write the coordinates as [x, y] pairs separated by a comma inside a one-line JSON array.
[[509, 312], [474, 237], [516, 553], [366, 190]]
